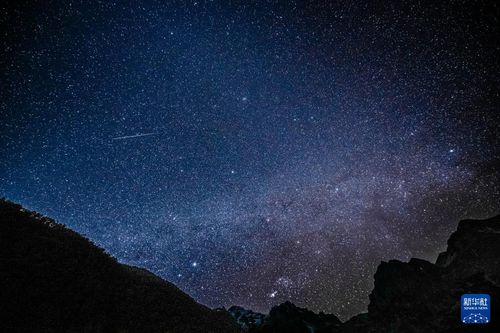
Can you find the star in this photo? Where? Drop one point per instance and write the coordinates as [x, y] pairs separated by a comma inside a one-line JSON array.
[[237, 144]]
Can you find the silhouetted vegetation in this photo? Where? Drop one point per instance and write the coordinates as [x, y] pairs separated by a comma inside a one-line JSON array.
[[54, 280]]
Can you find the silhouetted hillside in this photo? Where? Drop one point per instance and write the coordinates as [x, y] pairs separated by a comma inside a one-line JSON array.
[[54, 280]]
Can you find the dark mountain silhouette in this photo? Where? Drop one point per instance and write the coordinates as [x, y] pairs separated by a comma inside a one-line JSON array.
[[285, 317], [249, 320], [54, 280], [422, 297], [417, 296]]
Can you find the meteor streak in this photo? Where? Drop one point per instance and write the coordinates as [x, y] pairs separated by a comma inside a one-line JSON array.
[[138, 135]]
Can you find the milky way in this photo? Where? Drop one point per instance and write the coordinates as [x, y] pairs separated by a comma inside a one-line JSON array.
[[253, 153]]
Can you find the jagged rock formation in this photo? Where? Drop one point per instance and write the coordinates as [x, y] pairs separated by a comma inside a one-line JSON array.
[[285, 318], [417, 296], [249, 320], [54, 280]]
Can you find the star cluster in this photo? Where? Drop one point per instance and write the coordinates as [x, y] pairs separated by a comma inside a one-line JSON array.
[[253, 153]]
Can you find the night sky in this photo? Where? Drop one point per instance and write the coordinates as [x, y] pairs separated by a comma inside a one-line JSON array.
[[253, 153]]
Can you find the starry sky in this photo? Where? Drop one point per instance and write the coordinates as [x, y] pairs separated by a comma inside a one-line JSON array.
[[254, 152]]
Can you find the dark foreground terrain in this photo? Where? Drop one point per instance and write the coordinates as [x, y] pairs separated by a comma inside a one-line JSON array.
[[417, 296], [54, 280]]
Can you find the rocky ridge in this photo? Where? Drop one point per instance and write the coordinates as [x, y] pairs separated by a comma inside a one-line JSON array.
[[417, 296]]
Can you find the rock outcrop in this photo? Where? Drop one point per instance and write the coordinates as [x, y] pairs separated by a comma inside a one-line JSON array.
[[417, 296], [285, 318], [249, 320]]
